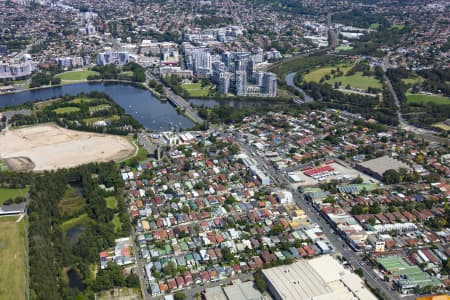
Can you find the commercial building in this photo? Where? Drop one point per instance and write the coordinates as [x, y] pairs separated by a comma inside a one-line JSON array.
[[376, 167], [242, 291], [319, 278]]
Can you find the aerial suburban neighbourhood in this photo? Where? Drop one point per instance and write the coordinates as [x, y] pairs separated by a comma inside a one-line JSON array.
[[286, 149]]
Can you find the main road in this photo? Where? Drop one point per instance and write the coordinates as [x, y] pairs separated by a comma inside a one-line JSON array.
[[177, 100], [356, 260]]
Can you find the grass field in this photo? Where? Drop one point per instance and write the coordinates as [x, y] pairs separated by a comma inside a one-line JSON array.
[[117, 223], [196, 89], [442, 126], [111, 202], [397, 26], [81, 99], [66, 110], [344, 48], [374, 26], [71, 202], [357, 81], [317, 74], [6, 194], [93, 120], [99, 107], [76, 75], [12, 259], [413, 80], [419, 98]]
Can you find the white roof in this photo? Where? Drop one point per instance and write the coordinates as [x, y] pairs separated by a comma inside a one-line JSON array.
[[319, 278]]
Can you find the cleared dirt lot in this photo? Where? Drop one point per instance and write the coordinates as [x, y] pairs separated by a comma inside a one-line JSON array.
[[49, 147]]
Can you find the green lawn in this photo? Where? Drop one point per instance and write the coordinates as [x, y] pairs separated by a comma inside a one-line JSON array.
[[397, 26], [413, 80], [93, 120], [374, 26], [71, 202], [111, 202], [344, 48], [317, 74], [99, 107], [357, 81], [116, 222], [76, 75], [12, 259], [3, 166], [81, 99], [419, 98], [6, 194], [66, 110], [196, 89]]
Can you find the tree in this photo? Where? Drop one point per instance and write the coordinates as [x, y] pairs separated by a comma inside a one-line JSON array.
[[260, 282], [170, 269], [359, 272], [391, 177], [132, 281], [179, 296]]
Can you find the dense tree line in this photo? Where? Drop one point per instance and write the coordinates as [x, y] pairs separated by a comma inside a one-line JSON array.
[[362, 18], [420, 114], [50, 251], [40, 79], [112, 71], [437, 81], [367, 106]]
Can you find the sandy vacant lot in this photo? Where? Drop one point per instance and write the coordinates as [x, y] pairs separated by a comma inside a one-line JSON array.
[[49, 147]]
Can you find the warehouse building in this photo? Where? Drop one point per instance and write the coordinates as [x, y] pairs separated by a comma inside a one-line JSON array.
[[376, 167], [316, 279]]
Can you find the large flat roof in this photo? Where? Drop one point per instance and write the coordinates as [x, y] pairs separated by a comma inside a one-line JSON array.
[[316, 279], [382, 164]]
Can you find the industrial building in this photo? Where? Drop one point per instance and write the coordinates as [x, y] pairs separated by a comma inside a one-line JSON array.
[[316, 279], [376, 167]]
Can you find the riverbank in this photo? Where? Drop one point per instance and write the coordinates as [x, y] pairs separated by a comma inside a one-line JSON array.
[[135, 98]]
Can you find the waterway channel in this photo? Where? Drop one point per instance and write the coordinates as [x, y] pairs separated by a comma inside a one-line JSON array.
[[140, 103]]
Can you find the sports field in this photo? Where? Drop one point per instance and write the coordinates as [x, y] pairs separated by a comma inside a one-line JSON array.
[[419, 98], [76, 75], [196, 89], [12, 259], [6, 194], [357, 80], [50, 147], [317, 74]]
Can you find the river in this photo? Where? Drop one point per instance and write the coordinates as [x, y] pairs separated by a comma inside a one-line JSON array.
[[290, 81], [140, 103], [232, 103]]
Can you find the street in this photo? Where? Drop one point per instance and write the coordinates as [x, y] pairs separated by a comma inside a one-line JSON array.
[[354, 259]]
